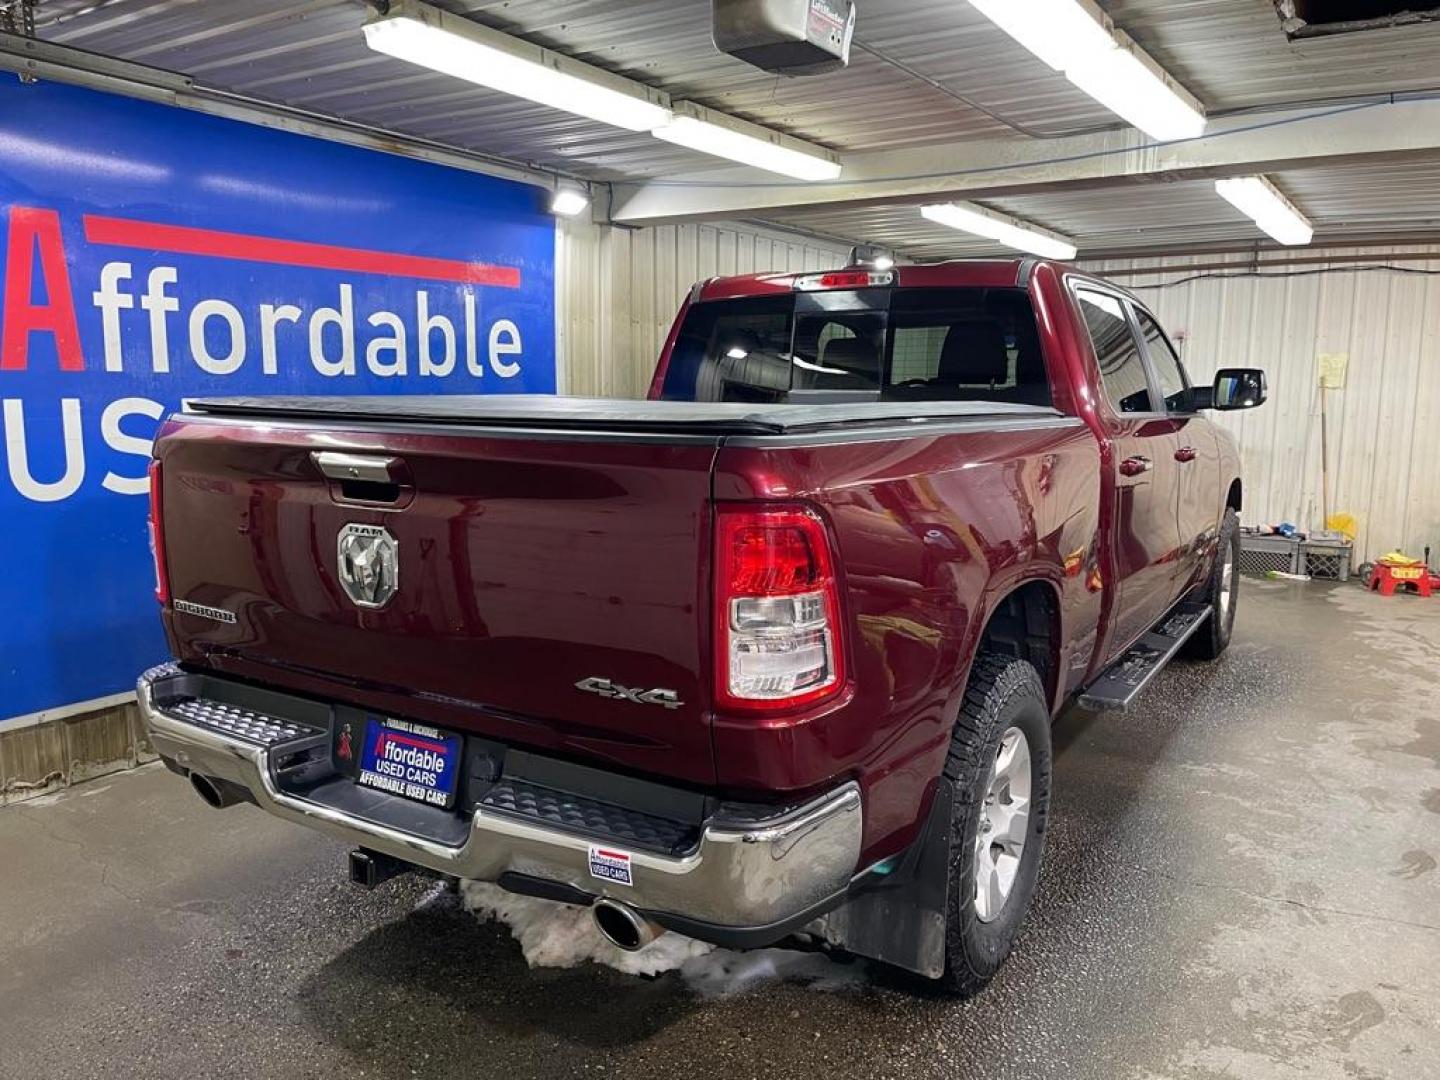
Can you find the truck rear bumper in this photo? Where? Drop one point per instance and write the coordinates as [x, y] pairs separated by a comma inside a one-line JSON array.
[[749, 877]]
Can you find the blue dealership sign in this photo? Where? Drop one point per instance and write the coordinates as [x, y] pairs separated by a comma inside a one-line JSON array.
[[148, 254]]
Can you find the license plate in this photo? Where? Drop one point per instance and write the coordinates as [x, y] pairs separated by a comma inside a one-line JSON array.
[[410, 760]]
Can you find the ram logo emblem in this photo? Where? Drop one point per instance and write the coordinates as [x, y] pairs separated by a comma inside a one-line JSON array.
[[369, 564]]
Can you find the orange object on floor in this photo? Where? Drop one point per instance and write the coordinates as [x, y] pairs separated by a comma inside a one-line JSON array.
[[1387, 578]]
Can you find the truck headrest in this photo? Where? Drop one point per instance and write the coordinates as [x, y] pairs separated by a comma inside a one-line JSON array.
[[974, 354], [855, 356]]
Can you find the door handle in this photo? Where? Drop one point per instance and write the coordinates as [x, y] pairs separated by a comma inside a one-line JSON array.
[[1185, 453], [1134, 466]]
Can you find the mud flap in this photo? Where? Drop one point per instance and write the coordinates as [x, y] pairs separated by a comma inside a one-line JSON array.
[[900, 919]]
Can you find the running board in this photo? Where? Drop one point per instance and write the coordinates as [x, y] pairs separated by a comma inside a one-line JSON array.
[[1120, 683]]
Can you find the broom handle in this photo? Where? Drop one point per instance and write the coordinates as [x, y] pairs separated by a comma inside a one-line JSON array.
[[1324, 466]]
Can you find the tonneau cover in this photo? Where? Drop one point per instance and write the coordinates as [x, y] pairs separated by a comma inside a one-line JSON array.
[[606, 414]]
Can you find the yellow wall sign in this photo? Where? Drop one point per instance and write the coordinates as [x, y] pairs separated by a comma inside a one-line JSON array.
[[1332, 367]]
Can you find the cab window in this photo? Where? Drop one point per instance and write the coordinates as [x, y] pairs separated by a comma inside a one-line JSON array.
[[1166, 364], [903, 344], [1121, 368]]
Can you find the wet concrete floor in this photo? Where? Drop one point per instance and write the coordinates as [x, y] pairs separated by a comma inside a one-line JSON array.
[[1241, 881]]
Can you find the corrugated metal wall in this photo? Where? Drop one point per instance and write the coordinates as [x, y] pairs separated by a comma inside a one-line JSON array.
[[619, 290], [1383, 428]]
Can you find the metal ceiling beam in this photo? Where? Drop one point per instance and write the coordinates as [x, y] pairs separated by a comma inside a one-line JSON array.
[[981, 167]]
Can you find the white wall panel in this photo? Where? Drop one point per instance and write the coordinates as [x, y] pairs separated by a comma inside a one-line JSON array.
[[619, 290], [1383, 427]]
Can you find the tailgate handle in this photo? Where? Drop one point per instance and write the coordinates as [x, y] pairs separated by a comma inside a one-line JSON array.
[[340, 466], [368, 479]]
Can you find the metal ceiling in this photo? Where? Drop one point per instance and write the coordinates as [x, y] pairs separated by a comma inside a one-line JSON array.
[[1233, 54]]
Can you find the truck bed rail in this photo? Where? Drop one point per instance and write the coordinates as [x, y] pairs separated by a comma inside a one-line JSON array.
[[534, 411]]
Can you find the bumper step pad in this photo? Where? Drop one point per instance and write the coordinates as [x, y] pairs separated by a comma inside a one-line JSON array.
[[590, 817], [258, 717], [236, 722]]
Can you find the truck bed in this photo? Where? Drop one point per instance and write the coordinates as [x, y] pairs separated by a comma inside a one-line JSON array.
[[545, 545], [610, 415]]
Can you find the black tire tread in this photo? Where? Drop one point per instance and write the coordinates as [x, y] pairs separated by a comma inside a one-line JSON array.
[[994, 680], [1212, 639]]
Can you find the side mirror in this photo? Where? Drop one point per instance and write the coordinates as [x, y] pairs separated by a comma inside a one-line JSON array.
[[1238, 388]]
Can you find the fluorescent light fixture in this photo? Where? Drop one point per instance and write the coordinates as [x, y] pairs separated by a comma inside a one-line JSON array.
[[569, 199], [435, 39], [1258, 199], [970, 218], [1060, 32], [1076, 37], [709, 132], [1136, 89]]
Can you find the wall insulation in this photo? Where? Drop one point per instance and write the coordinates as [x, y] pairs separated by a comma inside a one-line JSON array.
[[1383, 427], [618, 290]]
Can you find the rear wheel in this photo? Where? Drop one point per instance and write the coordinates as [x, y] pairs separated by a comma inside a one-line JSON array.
[[999, 765], [1220, 591]]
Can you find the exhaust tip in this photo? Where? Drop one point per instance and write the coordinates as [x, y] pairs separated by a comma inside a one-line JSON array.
[[206, 789], [218, 793], [622, 925]]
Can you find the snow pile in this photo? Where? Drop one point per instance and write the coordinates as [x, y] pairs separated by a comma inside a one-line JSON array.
[[555, 935], [560, 936]]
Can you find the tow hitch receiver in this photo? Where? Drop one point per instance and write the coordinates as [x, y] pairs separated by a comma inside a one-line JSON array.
[[371, 868]]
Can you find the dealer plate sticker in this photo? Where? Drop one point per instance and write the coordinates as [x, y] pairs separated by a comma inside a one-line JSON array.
[[411, 760], [607, 864]]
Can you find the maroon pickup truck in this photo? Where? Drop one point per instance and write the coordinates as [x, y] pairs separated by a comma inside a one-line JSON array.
[[771, 657]]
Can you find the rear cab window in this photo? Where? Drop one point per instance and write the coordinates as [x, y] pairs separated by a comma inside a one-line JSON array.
[[944, 344]]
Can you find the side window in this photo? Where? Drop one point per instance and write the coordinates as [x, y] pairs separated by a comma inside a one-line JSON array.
[[1117, 352], [1166, 363]]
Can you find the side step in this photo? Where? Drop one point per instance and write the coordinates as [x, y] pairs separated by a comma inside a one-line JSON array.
[[1123, 680]]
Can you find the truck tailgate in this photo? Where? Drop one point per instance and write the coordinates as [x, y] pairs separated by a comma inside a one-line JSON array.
[[527, 562]]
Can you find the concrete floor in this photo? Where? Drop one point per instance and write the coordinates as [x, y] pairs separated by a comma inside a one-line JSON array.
[[1241, 881]]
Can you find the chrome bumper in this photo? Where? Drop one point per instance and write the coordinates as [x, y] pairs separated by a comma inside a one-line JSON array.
[[745, 874]]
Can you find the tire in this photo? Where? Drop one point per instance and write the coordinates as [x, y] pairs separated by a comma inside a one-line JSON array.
[[1210, 640], [1004, 698]]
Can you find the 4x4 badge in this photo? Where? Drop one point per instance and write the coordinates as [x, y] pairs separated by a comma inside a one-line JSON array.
[[668, 699]]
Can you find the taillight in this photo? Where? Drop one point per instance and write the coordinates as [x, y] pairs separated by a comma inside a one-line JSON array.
[[157, 535], [777, 609]]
